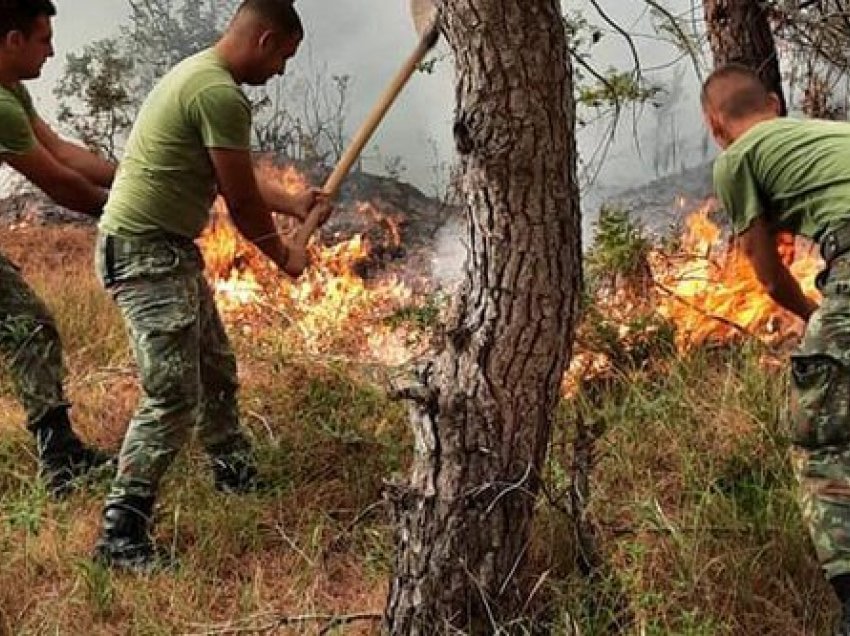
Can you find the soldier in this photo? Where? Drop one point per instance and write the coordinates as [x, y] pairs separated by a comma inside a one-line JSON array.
[[190, 140], [786, 175], [73, 177]]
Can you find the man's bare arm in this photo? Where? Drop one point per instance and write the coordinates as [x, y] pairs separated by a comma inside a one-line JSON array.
[[759, 245], [65, 186], [297, 205], [91, 166], [249, 211]]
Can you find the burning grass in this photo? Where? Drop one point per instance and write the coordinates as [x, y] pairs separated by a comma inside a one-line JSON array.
[[695, 292], [711, 293], [680, 372], [331, 309]]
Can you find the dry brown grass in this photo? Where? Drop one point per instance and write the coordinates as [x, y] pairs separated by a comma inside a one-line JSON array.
[[288, 553], [694, 502]]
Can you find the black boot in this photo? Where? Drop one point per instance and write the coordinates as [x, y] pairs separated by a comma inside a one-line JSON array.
[[236, 473], [62, 457], [125, 541], [841, 585]]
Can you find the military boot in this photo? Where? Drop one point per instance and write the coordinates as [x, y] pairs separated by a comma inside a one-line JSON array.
[[841, 585], [236, 473], [62, 457], [125, 541]]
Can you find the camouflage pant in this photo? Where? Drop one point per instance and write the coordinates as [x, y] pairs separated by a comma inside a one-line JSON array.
[[30, 345], [187, 368], [820, 416]]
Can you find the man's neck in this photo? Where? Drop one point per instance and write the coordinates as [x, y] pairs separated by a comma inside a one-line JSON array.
[[229, 54], [740, 127], [8, 78]]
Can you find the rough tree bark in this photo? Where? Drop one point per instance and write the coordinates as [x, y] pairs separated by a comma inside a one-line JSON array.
[[483, 413], [739, 31]]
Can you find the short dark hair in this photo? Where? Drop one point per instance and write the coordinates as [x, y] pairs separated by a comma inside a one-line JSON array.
[[280, 13], [20, 15], [750, 95]]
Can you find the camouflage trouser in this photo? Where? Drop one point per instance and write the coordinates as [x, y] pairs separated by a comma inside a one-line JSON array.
[[187, 368], [820, 418], [29, 345]]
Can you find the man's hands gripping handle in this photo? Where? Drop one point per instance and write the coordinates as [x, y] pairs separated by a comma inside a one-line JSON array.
[[315, 208]]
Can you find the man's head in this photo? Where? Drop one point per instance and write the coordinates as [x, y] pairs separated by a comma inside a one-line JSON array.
[[26, 37], [262, 36], [734, 99]]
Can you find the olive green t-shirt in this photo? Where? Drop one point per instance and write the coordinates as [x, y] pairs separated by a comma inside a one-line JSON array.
[[795, 173], [166, 181], [16, 113]]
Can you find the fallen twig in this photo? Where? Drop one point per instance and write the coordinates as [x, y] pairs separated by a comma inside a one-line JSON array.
[[331, 621], [729, 323]]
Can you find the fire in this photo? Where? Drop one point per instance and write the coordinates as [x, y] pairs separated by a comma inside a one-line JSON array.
[[710, 291], [330, 308], [705, 288], [230, 262]]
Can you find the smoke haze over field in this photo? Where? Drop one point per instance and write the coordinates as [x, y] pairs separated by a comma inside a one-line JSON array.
[[368, 39]]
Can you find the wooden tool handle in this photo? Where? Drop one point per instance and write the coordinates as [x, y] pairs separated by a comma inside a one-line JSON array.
[[361, 138]]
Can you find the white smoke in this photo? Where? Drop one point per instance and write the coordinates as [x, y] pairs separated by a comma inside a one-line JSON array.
[[450, 254]]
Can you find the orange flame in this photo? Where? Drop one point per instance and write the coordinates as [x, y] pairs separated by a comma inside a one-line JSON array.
[[330, 308], [712, 292], [708, 291]]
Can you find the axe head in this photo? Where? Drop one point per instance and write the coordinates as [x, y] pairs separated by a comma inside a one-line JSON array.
[[426, 20]]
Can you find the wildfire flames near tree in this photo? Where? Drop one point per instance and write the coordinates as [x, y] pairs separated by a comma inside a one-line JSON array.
[[710, 292], [331, 308], [700, 285]]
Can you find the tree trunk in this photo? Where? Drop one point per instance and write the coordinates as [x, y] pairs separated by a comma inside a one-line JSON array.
[[739, 31], [483, 413]]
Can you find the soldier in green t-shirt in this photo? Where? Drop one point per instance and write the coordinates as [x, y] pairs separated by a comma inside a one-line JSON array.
[[191, 141], [774, 175], [73, 177]]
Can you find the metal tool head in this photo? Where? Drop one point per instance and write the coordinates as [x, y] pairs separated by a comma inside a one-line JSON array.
[[426, 20]]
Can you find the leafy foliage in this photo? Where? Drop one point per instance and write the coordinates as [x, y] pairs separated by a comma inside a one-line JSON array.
[[97, 95], [814, 37], [610, 89], [620, 247], [163, 32], [616, 87], [301, 117]]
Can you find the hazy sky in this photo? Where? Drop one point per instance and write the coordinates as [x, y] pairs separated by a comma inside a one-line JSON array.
[[368, 39]]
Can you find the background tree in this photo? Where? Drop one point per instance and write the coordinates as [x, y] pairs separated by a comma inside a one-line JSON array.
[[484, 407], [103, 87], [814, 36], [163, 32], [300, 116], [739, 31], [98, 96]]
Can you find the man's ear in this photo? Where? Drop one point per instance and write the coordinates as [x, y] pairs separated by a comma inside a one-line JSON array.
[[267, 41], [12, 39], [712, 121], [774, 103]]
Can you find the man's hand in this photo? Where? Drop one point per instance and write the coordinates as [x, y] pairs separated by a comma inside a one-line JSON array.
[[324, 207], [62, 184], [297, 206], [760, 246], [303, 202], [93, 167], [297, 259]]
